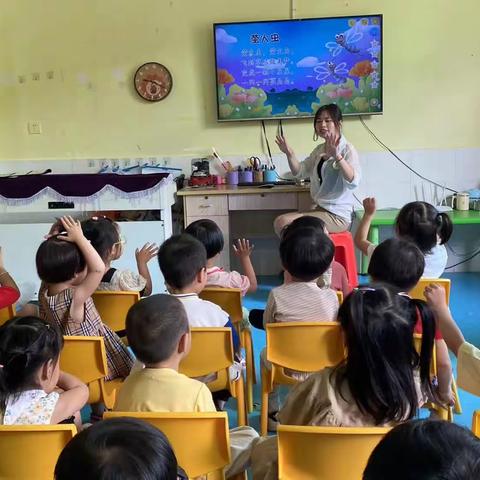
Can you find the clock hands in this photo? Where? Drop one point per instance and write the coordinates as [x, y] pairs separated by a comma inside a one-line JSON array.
[[160, 84]]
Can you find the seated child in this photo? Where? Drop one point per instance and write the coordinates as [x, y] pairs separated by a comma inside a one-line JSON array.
[[104, 235], [30, 372], [425, 450], [121, 448], [378, 327], [208, 232], [183, 262], [399, 263], [9, 292], [70, 270], [418, 222], [159, 335], [306, 253]]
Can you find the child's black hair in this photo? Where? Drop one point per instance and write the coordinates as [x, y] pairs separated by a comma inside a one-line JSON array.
[[306, 253], [181, 258], [304, 221], [398, 263], [378, 326], [426, 450], [58, 260], [26, 344], [154, 327], [421, 223], [103, 235], [118, 448], [209, 233]]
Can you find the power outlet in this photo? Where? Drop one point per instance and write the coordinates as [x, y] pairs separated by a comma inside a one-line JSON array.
[[34, 127], [91, 164]]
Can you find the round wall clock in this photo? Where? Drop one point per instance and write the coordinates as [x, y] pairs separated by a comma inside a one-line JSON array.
[[153, 81]]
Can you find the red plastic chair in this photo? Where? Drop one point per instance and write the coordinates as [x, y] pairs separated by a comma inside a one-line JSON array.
[[345, 254]]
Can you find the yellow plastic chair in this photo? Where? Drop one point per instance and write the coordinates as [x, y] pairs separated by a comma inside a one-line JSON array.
[[476, 423], [32, 451], [300, 346], [417, 291], [85, 357], [200, 440], [7, 313], [325, 453], [339, 296], [230, 300], [114, 306], [212, 352]]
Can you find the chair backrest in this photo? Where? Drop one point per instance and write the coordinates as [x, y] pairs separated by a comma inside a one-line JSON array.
[[113, 307], [476, 423], [325, 453], [31, 451], [200, 440], [228, 299], [7, 313], [417, 291]]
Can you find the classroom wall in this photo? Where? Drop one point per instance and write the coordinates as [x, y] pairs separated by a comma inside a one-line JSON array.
[[93, 47]]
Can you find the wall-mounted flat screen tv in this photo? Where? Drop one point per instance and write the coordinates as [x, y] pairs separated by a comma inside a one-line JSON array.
[[288, 68]]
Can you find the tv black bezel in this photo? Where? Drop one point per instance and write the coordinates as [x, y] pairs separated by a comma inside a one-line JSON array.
[[298, 20]]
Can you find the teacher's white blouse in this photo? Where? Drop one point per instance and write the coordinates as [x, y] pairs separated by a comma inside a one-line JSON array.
[[334, 194]]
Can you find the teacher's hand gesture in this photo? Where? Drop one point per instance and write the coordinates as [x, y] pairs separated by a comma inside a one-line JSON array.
[[331, 148], [283, 145]]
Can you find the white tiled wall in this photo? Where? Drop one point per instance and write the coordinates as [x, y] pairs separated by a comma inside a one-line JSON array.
[[382, 176]]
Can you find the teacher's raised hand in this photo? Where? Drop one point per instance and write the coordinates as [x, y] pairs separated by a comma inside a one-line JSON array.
[[284, 147], [331, 147]]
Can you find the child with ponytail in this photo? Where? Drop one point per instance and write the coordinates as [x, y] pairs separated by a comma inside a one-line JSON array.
[[418, 222], [382, 381], [30, 372]]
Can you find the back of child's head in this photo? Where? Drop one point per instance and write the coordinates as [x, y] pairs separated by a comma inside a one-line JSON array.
[[118, 448], [181, 258], [398, 263], [425, 450], [154, 327], [304, 221], [306, 252], [208, 232], [378, 325], [421, 223], [103, 235], [26, 344], [58, 260]]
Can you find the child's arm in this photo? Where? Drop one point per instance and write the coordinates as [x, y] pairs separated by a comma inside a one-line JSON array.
[[435, 295], [361, 242], [72, 399], [95, 267], [143, 256], [243, 250], [444, 373], [5, 279]]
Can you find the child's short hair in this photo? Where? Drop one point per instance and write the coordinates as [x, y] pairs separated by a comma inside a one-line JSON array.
[[398, 263], [306, 253], [208, 232], [154, 327], [425, 450], [421, 223], [181, 258], [58, 260], [125, 448], [304, 221], [26, 344], [103, 235]]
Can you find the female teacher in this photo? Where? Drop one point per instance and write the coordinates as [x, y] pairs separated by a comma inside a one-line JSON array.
[[334, 172]]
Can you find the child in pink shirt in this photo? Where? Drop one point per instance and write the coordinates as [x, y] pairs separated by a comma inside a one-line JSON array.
[[208, 232]]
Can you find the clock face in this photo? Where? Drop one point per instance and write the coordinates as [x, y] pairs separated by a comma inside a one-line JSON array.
[[153, 81]]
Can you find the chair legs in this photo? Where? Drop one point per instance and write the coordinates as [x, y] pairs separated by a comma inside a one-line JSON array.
[[264, 411], [241, 406], [250, 361], [458, 406]]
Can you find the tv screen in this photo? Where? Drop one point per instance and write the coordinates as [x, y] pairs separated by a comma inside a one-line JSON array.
[[288, 68]]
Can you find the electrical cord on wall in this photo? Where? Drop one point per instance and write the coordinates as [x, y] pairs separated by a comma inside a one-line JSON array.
[[374, 136], [464, 261]]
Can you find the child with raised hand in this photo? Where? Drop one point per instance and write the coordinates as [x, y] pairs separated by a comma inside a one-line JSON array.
[[382, 381], [70, 270], [208, 232], [30, 372], [104, 235], [418, 222], [400, 264]]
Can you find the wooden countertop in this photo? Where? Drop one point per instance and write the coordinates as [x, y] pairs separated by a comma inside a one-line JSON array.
[[236, 190]]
